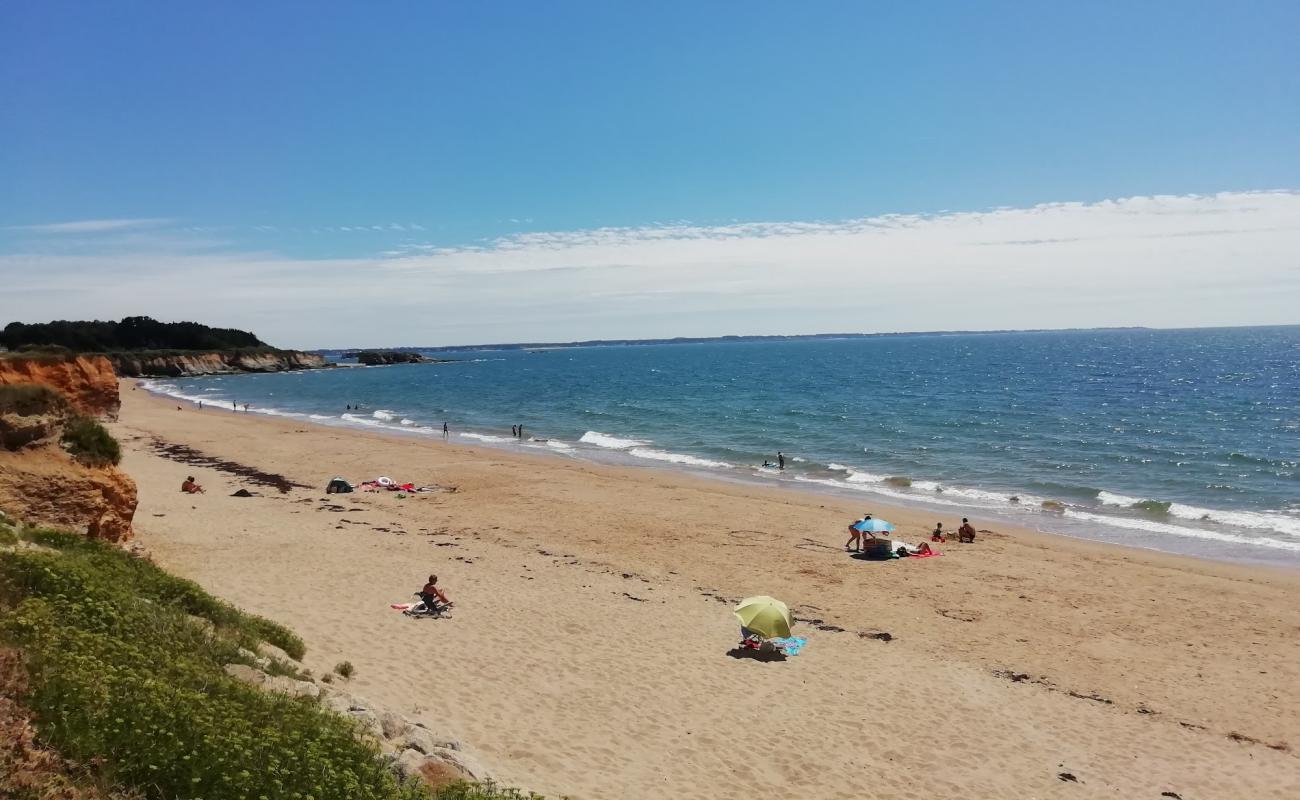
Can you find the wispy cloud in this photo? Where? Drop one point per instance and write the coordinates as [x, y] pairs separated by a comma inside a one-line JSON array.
[[91, 225], [1159, 260]]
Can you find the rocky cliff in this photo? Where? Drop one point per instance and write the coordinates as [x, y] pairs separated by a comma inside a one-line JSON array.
[[172, 365], [41, 483], [88, 382]]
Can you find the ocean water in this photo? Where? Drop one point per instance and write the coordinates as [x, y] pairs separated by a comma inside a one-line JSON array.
[[1185, 441]]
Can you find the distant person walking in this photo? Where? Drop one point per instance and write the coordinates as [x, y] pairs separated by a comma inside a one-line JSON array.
[[780, 460], [245, 408], [521, 431], [514, 431], [445, 431], [234, 406]]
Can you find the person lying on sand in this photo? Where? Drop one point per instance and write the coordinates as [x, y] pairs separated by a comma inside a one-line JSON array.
[[190, 487], [966, 533], [922, 549]]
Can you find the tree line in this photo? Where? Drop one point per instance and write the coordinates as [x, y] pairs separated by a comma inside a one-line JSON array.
[[132, 333]]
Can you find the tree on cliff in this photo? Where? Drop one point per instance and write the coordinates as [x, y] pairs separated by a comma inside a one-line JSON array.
[[132, 333]]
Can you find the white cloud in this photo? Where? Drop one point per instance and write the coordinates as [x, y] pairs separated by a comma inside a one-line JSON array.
[[90, 225], [1224, 259]]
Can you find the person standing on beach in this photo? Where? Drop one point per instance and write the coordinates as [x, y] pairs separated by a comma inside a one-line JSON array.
[[780, 460], [855, 535], [514, 431], [521, 431], [445, 431], [234, 406]]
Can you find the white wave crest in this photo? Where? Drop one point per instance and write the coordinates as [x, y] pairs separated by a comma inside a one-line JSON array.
[[1115, 499], [613, 442], [1135, 523], [485, 437], [676, 458], [558, 445], [408, 421], [386, 416]]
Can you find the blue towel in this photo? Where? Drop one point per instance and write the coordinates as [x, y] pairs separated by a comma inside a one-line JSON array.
[[790, 646]]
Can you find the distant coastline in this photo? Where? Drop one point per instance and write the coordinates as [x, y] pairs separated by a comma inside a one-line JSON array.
[[732, 338]]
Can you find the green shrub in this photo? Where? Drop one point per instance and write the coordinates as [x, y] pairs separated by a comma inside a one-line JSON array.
[[124, 677], [30, 399], [345, 669], [7, 535], [90, 443], [481, 791]]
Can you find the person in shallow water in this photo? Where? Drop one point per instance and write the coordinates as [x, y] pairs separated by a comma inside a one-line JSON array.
[[780, 459]]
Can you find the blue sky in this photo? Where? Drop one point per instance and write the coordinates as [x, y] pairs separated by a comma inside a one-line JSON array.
[[259, 132]]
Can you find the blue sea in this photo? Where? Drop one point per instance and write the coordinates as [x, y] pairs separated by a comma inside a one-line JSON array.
[[1180, 440]]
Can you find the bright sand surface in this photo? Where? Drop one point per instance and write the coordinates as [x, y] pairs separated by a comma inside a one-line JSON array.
[[588, 654]]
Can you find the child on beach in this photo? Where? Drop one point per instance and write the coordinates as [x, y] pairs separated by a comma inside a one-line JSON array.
[[937, 536], [191, 487]]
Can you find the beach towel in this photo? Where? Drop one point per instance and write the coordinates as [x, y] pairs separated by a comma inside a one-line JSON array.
[[790, 646], [930, 554]]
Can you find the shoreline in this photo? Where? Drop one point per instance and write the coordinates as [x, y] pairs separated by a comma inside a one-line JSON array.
[[1114, 532], [990, 669]]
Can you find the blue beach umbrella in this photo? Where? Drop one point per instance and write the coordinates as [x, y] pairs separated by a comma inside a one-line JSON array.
[[873, 526]]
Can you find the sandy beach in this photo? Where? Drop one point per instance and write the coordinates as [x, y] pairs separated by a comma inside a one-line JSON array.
[[588, 654]]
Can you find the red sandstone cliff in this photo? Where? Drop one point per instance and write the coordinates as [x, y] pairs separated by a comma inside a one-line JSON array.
[[40, 483], [88, 382]]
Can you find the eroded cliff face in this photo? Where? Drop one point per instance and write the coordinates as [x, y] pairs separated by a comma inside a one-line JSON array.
[[88, 382], [173, 366], [40, 483]]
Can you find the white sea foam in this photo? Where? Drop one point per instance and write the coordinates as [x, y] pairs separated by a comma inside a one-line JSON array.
[[558, 445], [927, 486], [876, 489], [676, 458], [1115, 499], [408, 421], [613, 442], [1135, 523], [485, 437], [864, 477], [319, 416], [368, 421], [1253, 520], [386, 416]]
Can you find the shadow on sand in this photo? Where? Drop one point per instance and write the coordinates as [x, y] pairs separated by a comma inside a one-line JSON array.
[[764, 656]]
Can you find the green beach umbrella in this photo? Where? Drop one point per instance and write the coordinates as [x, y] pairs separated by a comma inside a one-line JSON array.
[[765, 616]]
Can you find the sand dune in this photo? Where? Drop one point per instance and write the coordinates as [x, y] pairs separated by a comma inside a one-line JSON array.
[[588, 654]]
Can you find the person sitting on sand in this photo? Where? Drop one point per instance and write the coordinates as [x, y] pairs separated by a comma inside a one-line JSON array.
[[432, 595], [966, 533], [191, 487], [937, 535]]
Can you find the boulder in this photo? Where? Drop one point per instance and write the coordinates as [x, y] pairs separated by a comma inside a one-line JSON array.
[[394, 725], [436, 770]]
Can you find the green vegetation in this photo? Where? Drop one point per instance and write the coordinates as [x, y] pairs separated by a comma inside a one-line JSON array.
[[122, 674], [90, 443], [345, 669], [131, 334], [27, 400]]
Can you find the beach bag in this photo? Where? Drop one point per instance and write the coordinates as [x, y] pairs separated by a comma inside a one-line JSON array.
[[338, 486]]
